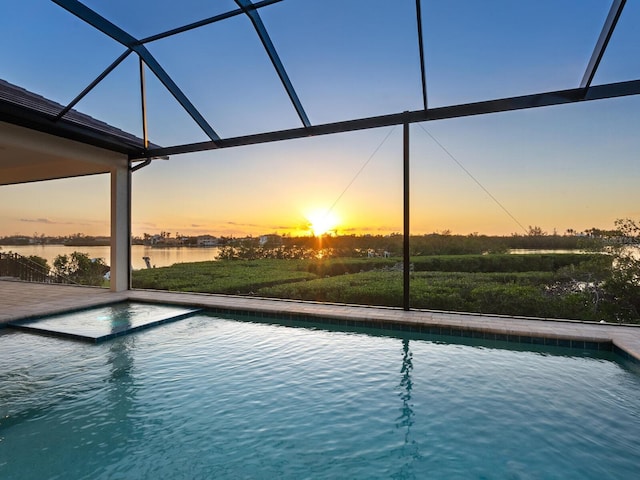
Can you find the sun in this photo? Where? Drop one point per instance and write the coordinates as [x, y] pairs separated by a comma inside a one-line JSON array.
[[322, 222]]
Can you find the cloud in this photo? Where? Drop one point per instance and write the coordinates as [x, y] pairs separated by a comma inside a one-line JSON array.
[[379, 230], [36, 220], [236, 224], [46, 221]]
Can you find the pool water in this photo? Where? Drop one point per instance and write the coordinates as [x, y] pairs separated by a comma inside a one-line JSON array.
[[104, 323], [210, 397]]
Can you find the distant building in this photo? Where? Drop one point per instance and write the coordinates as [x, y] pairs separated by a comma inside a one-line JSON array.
[[271, 240], [206, 241], [164, 241], [170, 242]]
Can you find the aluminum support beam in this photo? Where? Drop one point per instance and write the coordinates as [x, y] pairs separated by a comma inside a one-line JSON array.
[[182, 99], [406, 270], [91, 86], [598, 92], [143, 105], [116, 33], [206, 21], [261, 30], [601, 45], [423, 75]]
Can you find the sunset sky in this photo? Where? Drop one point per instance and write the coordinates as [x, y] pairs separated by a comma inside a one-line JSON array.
[[563, 167]]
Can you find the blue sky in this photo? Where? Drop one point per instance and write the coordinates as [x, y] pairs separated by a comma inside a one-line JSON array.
[[559, 167]]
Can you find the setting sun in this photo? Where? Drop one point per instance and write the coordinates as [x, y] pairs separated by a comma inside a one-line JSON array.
[[322, 222]]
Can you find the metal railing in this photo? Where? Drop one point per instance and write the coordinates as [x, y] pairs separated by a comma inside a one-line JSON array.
[[15, 266]]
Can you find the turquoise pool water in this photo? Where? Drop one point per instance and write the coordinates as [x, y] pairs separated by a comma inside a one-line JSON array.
[[103, 323], [209, 397]]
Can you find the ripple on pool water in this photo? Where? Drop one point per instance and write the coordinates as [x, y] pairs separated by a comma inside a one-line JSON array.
[[209, 397]]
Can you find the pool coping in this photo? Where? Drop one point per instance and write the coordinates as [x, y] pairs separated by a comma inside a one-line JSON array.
[[624, 340]]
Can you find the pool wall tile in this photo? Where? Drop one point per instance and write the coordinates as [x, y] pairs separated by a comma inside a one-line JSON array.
[[427, 329], [447, 324], [592, 345], [625, 355]]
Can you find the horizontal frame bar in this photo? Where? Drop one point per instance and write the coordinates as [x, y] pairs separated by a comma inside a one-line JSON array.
[[547, 99]]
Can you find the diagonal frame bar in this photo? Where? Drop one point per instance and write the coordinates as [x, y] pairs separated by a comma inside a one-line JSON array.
[[261, 30], [93, 84], [206, 21], [98, 22], [116, 33], [601, 45], [423, 75], [170, 85]]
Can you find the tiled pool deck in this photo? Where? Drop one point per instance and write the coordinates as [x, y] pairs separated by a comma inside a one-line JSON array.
[[20, 300]]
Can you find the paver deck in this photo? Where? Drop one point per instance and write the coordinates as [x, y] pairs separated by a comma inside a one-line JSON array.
[[20, 300]]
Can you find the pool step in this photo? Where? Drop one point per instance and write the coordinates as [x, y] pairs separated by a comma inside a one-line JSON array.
[[98, 324]]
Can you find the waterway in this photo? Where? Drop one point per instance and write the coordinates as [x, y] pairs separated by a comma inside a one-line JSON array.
[[159, 257]]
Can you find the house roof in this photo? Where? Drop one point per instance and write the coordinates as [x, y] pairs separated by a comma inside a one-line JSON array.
[[22, 107]]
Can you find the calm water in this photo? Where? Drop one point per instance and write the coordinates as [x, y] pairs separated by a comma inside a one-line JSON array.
[[100, 323], [160, 257], [208, 397]]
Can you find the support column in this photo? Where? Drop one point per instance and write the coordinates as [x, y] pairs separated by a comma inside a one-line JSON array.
[[405, 245], [120, 229]]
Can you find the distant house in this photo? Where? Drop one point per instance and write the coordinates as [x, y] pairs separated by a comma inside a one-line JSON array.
[[163, 241], [271, 240], [206, 241], [169, 242]]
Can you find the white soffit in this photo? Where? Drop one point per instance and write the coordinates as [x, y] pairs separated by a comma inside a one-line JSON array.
[[29, 156]]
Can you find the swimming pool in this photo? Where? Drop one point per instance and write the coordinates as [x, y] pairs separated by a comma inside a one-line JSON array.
[[213, 397]]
